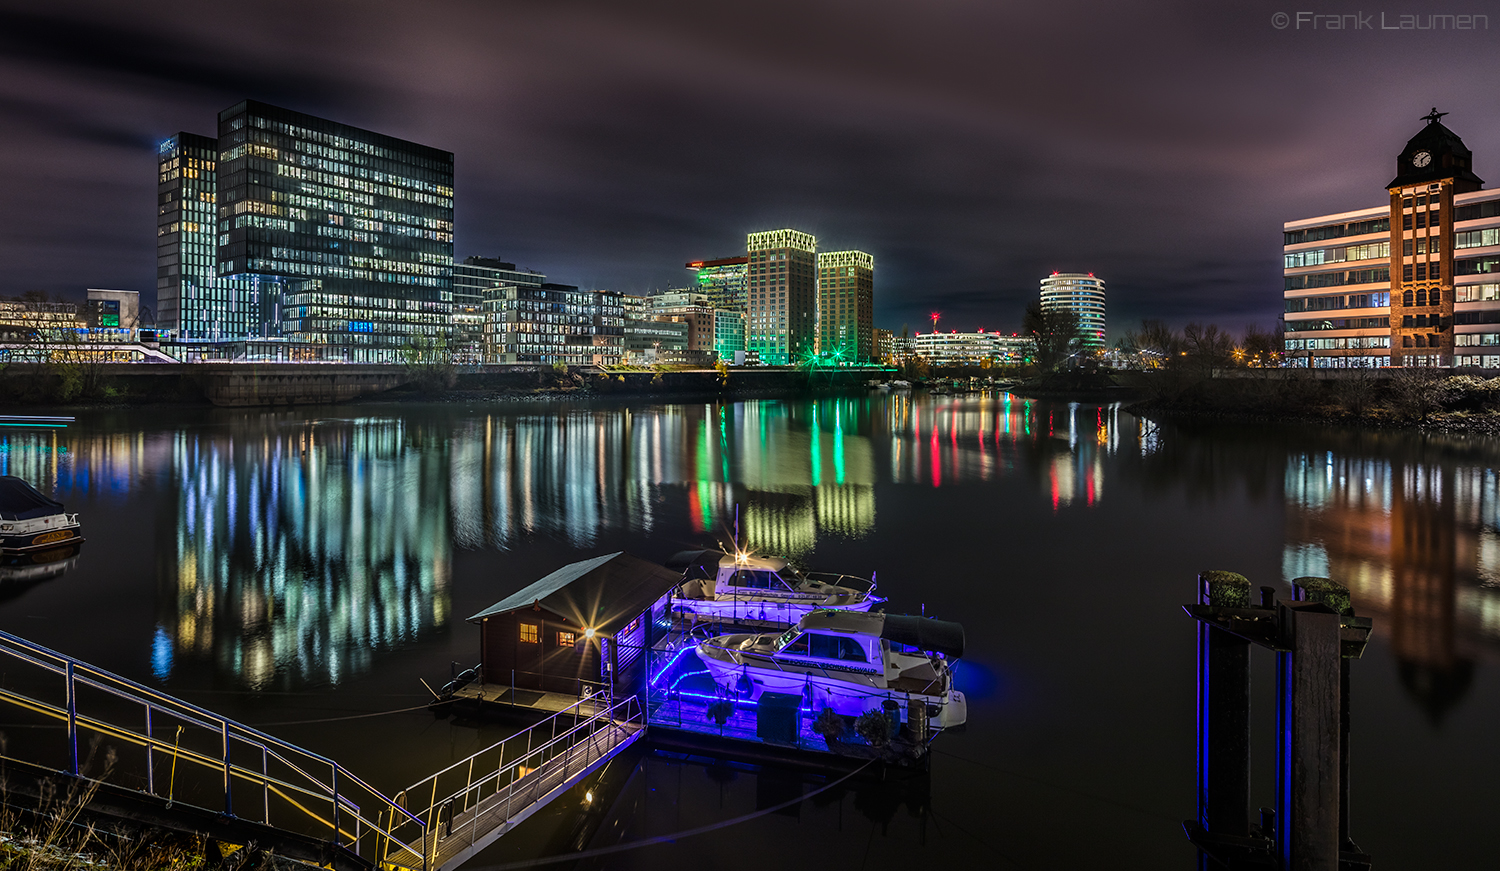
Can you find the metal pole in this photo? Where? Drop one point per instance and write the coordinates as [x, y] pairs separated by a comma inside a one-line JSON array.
[[228, 783], [72, 722], [333, 784], [150, 764], [265, 782]]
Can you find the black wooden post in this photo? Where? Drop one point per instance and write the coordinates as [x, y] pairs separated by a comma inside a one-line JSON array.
[[1223, 713], [1307, 711], [1314, 637]]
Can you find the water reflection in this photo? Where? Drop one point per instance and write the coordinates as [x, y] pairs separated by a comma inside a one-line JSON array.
[[1415, 537], [291, 550], [299, 549]]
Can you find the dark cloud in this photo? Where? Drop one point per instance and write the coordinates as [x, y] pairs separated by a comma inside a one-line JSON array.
[[973, 147]]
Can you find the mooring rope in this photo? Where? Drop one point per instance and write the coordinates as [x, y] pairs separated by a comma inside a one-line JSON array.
[[337, 719], [675, 836]]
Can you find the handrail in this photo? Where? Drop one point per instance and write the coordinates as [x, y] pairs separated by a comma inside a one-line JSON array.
[[172, 701], [470, 795], [349, 825]]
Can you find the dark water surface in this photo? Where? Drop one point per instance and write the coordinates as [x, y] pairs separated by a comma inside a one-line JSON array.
[[290, 567]]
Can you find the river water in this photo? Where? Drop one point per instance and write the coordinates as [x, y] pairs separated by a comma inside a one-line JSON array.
[[290, 567]]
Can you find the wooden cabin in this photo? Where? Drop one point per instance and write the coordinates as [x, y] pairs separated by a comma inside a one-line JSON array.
[[588, 624]]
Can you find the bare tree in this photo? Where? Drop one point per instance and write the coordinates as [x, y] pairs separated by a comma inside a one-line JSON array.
[[1259, 347], [1055, 330], [1207, 347]]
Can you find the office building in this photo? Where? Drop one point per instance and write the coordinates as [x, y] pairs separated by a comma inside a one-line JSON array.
[[783, 294], [648, 338], [193, 301], [1082, 294], [552, 323], [729, 335], [691, 308], [846, 306], [884, 344], [724, 281], [972, 349], [357, 224], [1410, 282], [471, 279]]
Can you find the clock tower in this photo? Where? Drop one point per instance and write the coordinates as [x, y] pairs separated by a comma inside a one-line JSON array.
[[1433, 167]]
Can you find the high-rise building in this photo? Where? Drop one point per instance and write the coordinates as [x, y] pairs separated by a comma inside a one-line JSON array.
[[724, 281], [361, 223], [729, 334], [1407, 283], [1082, 294], [192, 300], [846, 306], [783, 294], [471, 279]]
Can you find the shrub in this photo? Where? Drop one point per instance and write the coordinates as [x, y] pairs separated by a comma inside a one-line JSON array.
[[828, 724], [874, 728]]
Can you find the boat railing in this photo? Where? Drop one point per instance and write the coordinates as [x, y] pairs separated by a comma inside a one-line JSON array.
[[183, 753], [863, 585]]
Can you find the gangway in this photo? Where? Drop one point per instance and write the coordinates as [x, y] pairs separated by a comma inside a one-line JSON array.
[[175, 765], [474, 801]]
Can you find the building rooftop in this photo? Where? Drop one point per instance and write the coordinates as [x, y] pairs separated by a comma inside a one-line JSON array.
[[604, 593]]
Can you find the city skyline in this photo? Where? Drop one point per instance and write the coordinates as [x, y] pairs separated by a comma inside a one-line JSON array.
[[606, 169]]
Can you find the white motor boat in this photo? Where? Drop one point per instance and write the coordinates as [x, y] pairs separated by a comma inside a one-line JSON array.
[[849, 661], [900, 385], [740, 588], [30, 522]]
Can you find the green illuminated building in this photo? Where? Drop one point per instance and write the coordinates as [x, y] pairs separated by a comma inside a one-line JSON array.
[[782, 278]]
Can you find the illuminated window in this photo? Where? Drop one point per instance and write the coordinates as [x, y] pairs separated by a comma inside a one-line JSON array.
[[529, 633], [566, 639]]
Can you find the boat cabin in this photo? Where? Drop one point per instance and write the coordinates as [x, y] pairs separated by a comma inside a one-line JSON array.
[[588, 624]]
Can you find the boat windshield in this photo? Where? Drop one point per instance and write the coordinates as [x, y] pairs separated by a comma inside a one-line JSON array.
[[790, 576], [786, 637]]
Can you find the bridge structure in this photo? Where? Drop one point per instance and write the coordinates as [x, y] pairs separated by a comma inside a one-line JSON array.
[[174, 765]]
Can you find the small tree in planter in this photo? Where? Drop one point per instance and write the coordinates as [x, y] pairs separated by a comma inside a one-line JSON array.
[[720, 712], [874, 727], [830, 725]]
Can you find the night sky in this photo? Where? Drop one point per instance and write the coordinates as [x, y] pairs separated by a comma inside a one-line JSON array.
[[972, 147]]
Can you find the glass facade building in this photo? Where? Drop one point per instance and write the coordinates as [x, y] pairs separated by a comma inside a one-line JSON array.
[[192, 300], [471, 279], [358, 224], [846, 306], [724, 281], [783, 295], [552, 323], [1083, 294]]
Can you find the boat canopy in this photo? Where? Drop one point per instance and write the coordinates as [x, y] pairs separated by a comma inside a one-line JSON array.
[[21, 501], [925, 633]]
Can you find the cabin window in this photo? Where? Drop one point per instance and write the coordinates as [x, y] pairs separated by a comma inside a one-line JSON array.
[[758, 580], [529, 633], [837, 647], [566, 639], [799, 646]]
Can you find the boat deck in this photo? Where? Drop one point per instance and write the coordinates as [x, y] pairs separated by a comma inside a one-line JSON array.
[[530, 700]]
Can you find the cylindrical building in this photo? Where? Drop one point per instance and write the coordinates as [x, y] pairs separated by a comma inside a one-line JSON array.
[[1082, 294]]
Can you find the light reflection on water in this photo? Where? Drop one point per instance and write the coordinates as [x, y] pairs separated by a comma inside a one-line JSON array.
[[296, 548]]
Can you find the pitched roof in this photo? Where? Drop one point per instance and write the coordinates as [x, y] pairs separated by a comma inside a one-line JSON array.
[[603, 593]]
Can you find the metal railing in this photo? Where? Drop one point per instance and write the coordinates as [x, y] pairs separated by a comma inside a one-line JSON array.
[[208, 760], [474, 800]]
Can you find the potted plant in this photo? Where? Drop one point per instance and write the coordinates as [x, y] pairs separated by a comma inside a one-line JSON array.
[[720, 712], [830, 725], [874, 727]]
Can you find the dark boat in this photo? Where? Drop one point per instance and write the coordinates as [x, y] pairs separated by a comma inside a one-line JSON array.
[[32, 524]]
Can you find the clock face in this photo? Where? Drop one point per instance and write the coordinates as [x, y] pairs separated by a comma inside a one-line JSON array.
[[1421, 159]]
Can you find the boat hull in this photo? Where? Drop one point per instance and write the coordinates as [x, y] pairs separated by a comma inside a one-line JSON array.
[[850, 693]]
